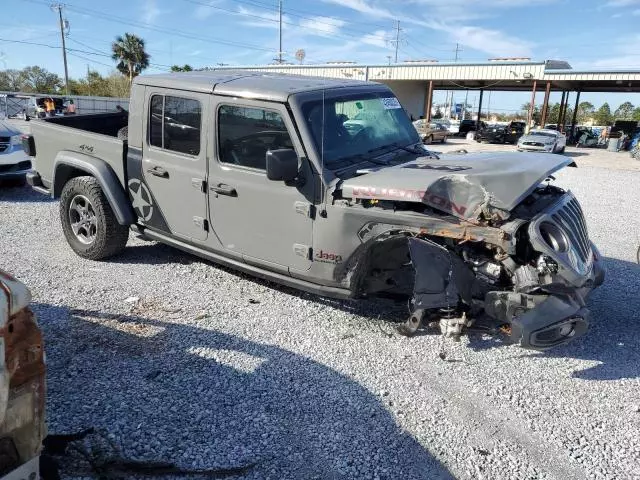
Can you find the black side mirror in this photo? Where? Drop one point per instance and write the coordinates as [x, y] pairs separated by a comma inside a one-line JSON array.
[[282, 164]]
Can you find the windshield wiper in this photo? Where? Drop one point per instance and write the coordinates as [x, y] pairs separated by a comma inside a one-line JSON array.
[[358, 156], [416, 150]]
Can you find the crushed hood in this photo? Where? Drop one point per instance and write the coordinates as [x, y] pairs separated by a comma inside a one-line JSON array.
[[460, 184]]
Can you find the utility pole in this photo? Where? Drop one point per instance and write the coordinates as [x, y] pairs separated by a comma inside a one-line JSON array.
[[397, 39], [280, 31], [88, 80], [450, 102], [59, 6]]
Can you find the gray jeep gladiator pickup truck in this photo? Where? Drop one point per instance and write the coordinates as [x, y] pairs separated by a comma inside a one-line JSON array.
[[324, 185]]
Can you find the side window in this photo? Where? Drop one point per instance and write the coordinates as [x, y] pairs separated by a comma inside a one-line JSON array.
[[246, 134], [175, 124], [155, 121]]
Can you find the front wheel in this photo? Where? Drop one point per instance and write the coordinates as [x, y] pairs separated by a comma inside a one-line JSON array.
[[88, 222]]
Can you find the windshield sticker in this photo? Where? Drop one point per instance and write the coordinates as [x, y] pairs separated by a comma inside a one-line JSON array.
[[390, 103]]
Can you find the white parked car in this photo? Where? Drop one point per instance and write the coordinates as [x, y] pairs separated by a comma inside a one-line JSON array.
[[14, 162], [454, 127], [543, 140]]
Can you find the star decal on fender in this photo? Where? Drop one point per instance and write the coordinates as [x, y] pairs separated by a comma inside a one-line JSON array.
[[140, 199]]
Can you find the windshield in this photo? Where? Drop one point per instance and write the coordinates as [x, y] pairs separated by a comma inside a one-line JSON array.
[[356, 128]]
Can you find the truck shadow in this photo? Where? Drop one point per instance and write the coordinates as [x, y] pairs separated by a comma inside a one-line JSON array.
[[173, 390], [613, 339], [10, 192]]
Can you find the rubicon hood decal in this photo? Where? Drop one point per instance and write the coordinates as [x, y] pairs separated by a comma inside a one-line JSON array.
[[462, 185]]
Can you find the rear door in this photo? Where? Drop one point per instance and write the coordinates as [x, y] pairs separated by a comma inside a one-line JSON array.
[[170, 194], [268, 222]]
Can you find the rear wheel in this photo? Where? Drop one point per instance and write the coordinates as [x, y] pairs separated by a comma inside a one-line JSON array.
[[444, 139], [88, 222]]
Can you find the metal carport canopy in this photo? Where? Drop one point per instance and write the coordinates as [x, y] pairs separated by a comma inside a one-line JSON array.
[[492, 75]]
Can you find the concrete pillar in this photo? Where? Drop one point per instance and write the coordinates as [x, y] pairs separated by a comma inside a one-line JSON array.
[[479, 108], [545, 105], [532, 104], [428, 101]]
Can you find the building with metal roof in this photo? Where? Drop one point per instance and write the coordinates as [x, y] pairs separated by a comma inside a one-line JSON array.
[[414, 82]]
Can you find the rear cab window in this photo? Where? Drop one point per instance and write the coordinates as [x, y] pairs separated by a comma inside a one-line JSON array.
[[175, 124]]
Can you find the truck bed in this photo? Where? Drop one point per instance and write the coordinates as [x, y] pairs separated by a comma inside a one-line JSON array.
[[94, 135]]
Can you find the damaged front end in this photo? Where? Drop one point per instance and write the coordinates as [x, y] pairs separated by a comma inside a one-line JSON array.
[[496, 247], [22, 383]]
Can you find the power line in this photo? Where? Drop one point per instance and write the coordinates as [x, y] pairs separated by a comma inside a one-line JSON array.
[[344, 34], [75, 50], [121, 20]]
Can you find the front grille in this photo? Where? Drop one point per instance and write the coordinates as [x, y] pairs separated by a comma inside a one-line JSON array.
[[3, 148], [534, 144], [5, 139], [571, 219]]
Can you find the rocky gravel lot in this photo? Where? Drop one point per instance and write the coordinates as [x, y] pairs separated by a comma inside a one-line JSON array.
[[178, 359]]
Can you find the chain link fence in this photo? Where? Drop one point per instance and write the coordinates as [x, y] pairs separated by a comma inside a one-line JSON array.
[[14, 104]]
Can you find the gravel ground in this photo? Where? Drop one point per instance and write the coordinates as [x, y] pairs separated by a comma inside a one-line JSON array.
[[179, 359]]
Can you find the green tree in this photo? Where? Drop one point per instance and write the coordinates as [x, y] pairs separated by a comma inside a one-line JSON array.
[[129, 52], [536, 112], [185, 68], [38, 80], [11, 80], [624, 111], [603, 115], [636, 114], [585, 111]]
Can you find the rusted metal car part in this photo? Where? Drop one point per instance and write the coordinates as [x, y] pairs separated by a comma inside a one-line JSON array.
[[22, 383]]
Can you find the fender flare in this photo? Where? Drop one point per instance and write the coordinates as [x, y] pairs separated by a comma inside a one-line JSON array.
[[67, 162]]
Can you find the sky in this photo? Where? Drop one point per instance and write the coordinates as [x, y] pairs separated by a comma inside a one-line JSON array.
[[588, 34]]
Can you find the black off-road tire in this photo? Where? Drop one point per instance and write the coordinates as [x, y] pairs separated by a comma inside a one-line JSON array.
[[110, 237]]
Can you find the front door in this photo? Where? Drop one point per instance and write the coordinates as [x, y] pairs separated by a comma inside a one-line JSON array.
[[173, 165], [268, 222]]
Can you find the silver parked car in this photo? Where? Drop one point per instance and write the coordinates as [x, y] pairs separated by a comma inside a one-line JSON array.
[[543, 140], [14, 163]]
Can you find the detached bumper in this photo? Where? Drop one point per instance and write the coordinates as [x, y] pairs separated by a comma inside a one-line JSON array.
[[544, 321]]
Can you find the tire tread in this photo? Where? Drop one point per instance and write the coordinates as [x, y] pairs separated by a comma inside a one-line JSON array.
[[115, 236]]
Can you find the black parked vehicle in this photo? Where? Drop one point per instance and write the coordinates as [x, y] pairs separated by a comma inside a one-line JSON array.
[[467, 126], [501, 133]]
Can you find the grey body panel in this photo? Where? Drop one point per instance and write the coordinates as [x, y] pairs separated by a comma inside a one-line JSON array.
[[462, 185], [105, 175], [51, 138], [244, 83], [180, 196], [269, 223]]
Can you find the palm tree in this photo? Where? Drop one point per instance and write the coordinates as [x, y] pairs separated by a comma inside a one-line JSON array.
[[129, 51]]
